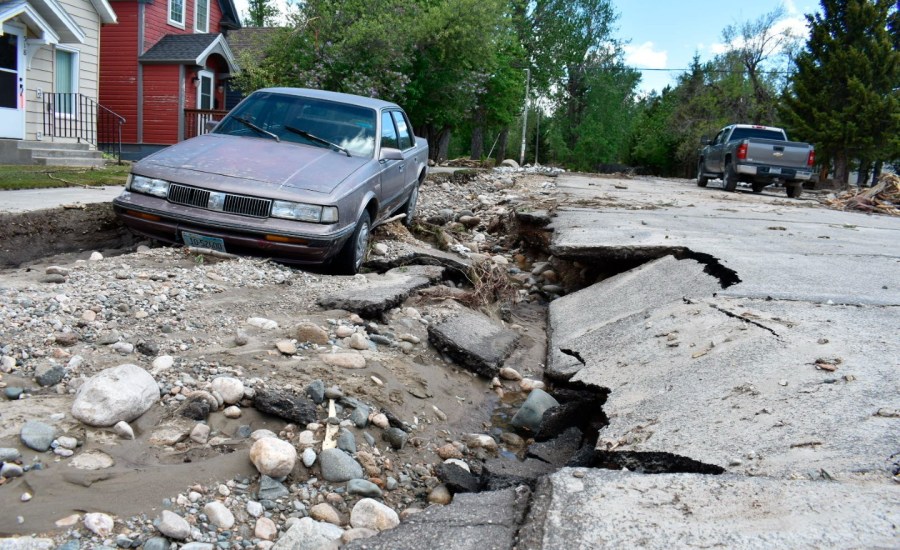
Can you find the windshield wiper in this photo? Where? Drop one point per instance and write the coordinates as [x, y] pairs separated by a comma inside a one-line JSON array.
[[255, 128], [312, 137]]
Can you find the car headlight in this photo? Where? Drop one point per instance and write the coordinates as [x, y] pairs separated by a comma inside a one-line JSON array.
[[148, 186], [304, 212]]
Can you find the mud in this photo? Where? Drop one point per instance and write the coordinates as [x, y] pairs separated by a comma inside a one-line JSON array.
[[30, 236]]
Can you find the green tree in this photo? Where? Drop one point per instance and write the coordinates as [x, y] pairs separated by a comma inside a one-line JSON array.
[[845, 94], [261, 13]]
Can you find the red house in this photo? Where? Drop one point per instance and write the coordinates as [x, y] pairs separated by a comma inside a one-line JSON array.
[[163, 68]]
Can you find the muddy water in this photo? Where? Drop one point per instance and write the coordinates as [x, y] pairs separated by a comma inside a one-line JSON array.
[[141, 478]]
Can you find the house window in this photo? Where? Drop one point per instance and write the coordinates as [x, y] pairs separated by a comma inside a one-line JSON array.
[[201, 16], [66, 86], [176, 13]]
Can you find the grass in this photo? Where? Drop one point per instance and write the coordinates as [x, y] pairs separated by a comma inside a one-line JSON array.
[[40, 177]]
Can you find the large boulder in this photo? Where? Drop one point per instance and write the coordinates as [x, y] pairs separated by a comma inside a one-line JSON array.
[[273, 457], [116, 394]]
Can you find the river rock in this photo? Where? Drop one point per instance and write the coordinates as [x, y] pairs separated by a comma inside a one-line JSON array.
[[265, 529], [156, 543], [98, 523], [37, 436], [440, 495], [271, 489], [232, 412], [92, 460], [173, 526], [395, 437], [273, 457], [312, 333], [8, 454], [343, 360], [359, 341], [371, 514], [219, 515], [124, 430], [11, 469], [286, 347], [262, 323], [316, 391], [325, 512], [231, 389], [161, 363], [532, 410], [49, 374], [116, 394], [338, 466], [308, 457], [291, 407], [200, 434], [363, 487], [308, 534]]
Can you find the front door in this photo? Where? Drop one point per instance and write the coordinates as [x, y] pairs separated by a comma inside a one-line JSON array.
[[205, 88], [12, 82]]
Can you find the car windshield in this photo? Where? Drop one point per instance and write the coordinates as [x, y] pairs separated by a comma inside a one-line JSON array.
[[269, 115]]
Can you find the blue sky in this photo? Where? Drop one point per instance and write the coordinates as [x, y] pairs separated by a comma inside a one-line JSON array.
[[666, 34]]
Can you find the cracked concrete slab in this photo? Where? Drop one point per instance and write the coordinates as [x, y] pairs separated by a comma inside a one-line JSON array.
[[612, 509], [737, 396], [475, 341], [613, 305], [473, 521], [383, 292]]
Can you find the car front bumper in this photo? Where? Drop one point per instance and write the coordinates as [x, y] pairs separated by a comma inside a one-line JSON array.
[[283, 240]]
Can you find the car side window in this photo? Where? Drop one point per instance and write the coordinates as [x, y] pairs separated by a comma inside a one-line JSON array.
[[388, 132], [406, 140], [718, 139]]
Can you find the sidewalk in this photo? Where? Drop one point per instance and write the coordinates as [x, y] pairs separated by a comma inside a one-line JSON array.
[[27, 200]]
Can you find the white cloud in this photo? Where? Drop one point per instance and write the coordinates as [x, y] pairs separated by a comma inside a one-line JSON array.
[[645, 56]]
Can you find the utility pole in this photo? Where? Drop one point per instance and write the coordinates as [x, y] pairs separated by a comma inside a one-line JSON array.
[[537, 135], [525, 116]]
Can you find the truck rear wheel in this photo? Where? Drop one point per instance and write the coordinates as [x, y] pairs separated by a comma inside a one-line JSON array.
[[794, 189], [701, 179], [729, 179]]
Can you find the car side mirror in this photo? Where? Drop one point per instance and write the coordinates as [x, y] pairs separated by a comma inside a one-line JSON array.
[[210, 125], [389, 153], [705, 141]]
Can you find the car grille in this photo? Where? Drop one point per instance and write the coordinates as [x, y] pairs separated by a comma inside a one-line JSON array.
[[234, 204]]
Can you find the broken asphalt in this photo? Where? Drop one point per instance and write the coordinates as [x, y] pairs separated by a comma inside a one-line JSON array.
[[750, 362]]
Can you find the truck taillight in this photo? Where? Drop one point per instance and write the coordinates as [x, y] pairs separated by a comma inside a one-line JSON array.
[[742, 151], [811, 159]]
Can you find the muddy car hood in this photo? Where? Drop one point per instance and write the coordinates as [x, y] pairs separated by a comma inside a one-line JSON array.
[[262, 160]]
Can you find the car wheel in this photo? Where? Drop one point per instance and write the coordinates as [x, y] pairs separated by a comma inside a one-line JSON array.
[[730, 179], [352, 255], [794, 190], [410, 207], [701, 179], [758, 186]]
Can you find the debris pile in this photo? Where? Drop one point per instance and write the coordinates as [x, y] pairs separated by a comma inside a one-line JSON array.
[[883, 198]]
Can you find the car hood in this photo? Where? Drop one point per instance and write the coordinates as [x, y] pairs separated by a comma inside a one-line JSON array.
[[262, 160]]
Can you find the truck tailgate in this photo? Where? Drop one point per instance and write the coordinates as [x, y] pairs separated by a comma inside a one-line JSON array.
[[777, 153]]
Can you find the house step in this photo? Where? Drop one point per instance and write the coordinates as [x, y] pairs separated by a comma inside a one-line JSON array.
[[40, 145], [62, 153], [74, 162]]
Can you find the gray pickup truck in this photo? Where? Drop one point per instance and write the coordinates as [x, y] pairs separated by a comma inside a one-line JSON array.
[[758, 155]]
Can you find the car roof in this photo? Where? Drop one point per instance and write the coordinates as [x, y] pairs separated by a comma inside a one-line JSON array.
[[362, 101]]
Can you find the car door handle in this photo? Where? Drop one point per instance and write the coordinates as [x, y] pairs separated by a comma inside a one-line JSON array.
[[401, 168]]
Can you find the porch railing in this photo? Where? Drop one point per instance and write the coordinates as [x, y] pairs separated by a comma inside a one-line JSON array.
[[74, 115], [195, 121]]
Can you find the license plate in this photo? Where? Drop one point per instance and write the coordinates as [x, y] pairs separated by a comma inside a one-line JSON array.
[[202, 241], [774, 170]]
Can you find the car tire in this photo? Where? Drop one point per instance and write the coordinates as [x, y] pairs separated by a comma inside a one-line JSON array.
[[701, 179], [758, 186], [729, 178], [353, 253], [794, 189], [410, 207]]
